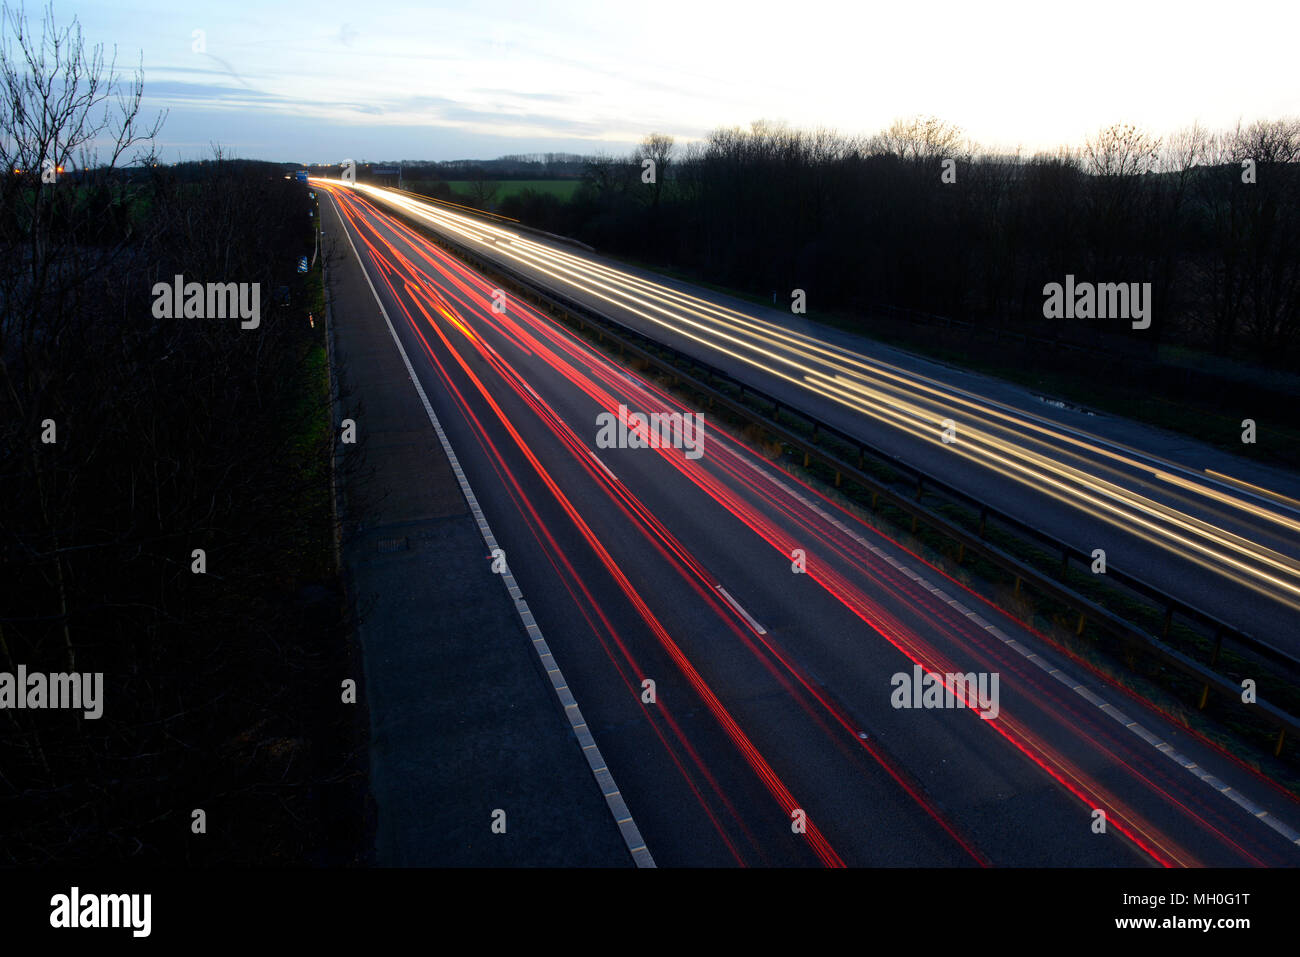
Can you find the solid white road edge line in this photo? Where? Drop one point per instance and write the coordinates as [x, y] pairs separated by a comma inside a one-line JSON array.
[[614, 800]]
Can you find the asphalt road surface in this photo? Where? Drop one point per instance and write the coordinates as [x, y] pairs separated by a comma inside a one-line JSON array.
[[1218, 532], [782, 635]]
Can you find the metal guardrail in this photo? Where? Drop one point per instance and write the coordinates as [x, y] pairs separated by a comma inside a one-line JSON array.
[[651, 351]]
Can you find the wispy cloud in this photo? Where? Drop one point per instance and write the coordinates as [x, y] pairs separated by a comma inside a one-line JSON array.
[[575, 74]]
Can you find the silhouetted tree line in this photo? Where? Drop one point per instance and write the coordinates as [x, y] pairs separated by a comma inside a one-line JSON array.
[[865, 222], [513, 166], [129, 441]]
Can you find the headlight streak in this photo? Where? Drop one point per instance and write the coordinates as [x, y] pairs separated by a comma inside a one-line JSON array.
[[582, 365], [775, 349]]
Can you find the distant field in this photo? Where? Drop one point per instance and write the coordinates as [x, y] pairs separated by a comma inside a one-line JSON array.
[[561, 188]]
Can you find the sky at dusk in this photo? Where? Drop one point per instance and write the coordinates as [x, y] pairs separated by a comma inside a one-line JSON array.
[[321, 81]]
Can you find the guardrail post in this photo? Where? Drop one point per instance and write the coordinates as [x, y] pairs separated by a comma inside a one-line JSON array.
[[1169, 618], [1218, 646], [874, 496], [1083, 620], [861, 453], [920, 487], [1281, 739], [1214, 659], [837, 478], [1065, 564]]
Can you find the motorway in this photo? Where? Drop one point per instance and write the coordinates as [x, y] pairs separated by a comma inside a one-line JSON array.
[[775, 627], [1216, 531]]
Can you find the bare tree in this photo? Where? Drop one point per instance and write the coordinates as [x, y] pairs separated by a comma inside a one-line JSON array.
[[1270, 254], [1118, 158], [1121, 150], [61, 100], [658, 148], [922, 138]]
